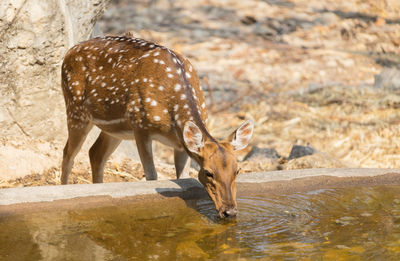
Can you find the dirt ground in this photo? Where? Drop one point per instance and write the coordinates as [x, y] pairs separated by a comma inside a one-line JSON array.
[[304, 71]]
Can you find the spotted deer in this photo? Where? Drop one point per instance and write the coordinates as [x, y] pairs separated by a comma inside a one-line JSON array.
[[134, 89]]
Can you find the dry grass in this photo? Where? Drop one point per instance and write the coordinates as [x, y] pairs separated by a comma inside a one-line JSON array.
[[357, 125]]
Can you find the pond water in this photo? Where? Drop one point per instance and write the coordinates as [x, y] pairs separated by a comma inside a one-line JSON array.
[[360, 223]]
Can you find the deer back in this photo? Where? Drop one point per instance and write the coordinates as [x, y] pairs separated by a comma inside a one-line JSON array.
[[122, 80]]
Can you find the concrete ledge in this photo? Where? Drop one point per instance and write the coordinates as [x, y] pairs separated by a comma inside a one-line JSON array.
[[284, 182], [191, 188], [287, 175], [185, 188]]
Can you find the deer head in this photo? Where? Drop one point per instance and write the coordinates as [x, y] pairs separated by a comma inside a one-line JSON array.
[[218, 164]]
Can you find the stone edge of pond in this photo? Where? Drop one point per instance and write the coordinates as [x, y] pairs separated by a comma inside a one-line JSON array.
[[184, 188], [286, 175]]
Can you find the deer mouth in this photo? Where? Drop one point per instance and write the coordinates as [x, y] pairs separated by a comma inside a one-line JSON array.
[[228, 213]]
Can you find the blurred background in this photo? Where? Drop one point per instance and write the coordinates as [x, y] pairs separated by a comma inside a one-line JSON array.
[[321, 80]]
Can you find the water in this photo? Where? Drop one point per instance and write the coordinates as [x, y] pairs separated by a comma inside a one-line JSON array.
[[333, 224]]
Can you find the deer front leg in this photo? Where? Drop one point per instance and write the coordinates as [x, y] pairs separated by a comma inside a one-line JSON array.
[[143, 143], [182, 163]]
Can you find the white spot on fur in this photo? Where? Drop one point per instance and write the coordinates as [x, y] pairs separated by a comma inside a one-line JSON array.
[[177, 87]]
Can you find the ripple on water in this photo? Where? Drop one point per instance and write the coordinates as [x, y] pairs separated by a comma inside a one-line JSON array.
[[348, 222]]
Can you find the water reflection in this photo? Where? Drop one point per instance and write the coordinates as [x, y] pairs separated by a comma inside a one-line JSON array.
[[16, 242], [335, 224]]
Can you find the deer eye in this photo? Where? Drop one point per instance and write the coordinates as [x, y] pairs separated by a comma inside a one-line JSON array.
[[208, 174], [237, 172]]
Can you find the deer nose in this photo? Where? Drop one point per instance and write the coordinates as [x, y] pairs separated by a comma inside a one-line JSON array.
[[232, 212]]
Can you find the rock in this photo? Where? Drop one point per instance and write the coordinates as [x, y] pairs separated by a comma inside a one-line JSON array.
[[388, 79], [280, 3], [257, 154], [326, 19], [301, 151], [265, 31], [20, 157], [34, 36], [248, 20], [260, 159]]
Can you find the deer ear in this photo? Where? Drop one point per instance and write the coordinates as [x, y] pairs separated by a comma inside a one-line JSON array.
[[193, 137], [241, 136]]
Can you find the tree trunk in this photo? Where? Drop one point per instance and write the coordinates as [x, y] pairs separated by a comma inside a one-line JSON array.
[[34, 36]]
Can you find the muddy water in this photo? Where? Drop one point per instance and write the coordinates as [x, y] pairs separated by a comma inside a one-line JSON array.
[[333, 224]]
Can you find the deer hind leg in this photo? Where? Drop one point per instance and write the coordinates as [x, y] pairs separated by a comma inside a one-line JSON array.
[[182, 163], [104, 146], [76, 137], [143, 143]]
